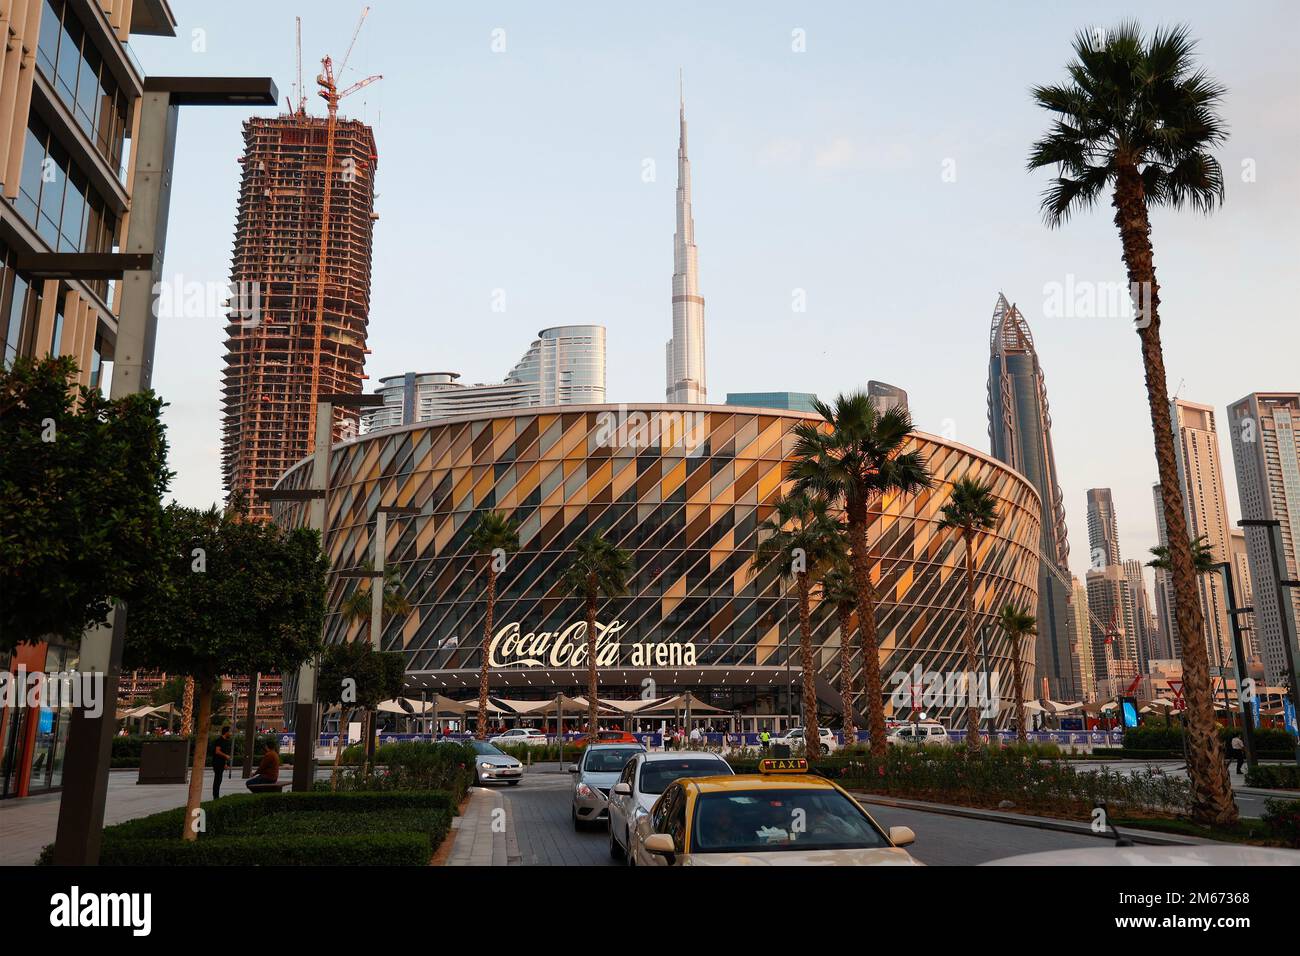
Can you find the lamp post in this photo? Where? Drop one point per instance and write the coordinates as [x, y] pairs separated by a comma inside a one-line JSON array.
[[1273, 528], [1239, 659], [90, 739]]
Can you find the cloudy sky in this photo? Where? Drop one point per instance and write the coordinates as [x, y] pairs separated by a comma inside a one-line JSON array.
[[867, 160]]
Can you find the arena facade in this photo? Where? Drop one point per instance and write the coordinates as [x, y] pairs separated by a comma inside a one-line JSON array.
[[684, 489]]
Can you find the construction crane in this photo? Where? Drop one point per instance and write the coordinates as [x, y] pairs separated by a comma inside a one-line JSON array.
[[330, 93]]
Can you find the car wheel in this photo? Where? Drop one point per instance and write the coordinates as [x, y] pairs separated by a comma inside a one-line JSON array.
[[825, 750], [615, 851], [513, 783], [577, 824]]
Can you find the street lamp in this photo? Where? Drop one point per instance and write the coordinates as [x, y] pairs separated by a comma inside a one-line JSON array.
[[1273, 528], [90, 739], [1239, 658]]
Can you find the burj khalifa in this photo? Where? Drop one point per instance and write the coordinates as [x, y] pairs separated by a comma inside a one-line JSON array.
[[685, 350]]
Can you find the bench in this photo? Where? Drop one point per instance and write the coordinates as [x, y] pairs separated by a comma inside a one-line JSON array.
[[268, 787]]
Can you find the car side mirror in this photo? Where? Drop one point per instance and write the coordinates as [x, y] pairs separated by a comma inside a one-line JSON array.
[[660, 844], [573, 768], [622, 789], [901, 836]]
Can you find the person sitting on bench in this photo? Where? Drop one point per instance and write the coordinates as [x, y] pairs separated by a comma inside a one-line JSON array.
[[268, 770]]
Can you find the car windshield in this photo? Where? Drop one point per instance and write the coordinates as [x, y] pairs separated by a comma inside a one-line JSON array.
[[656, 775], [485, 749], [612, 760], [765, 821]]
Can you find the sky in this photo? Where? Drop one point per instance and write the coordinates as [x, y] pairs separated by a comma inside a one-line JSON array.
[[864, 160]]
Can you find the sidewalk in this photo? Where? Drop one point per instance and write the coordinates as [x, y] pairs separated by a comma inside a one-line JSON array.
[[485, 834]]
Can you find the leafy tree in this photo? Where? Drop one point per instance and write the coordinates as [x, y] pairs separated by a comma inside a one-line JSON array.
[[839, 590], [1138, 119], [1202, 557], [495, 536], [81, 483], [853, 463], [599, 568], [235, 597], [355, 674], [1018, 623], [798, 541], [971, 510], [172, 692]]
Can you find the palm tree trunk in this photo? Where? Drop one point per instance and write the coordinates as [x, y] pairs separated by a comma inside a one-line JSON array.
[[187, 708], [846, 677], [481, 730], [198, 761], [812, 740], [1018, 680], [860, 560], [972, 712], [1212, 800], [592, 705]]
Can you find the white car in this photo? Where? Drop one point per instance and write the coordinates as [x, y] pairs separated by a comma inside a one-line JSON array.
[[520, 735], [644, 778], [926, 732], [794, 739]]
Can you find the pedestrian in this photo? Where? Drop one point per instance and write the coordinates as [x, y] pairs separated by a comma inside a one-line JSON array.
[[268, 770], [764, 739], [1238, 750], [222, 754]]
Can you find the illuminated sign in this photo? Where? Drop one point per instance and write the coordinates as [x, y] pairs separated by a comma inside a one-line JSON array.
[[567, 648]]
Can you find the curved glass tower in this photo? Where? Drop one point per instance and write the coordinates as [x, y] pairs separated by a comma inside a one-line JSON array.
[[1020, 434]]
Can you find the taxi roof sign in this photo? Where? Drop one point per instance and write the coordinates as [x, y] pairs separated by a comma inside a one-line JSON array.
[[783, 765]]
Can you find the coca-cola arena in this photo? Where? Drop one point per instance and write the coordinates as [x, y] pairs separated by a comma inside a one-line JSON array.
[[683, 488]]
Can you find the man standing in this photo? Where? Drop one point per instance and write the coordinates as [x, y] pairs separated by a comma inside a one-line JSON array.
[[1238, 750], [222, 754]]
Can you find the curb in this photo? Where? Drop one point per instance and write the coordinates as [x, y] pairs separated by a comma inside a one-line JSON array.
[[1146, 837]]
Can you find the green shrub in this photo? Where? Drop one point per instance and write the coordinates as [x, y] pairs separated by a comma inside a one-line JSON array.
[[1151, 740], [413, 766], [288, 829], [1282, 817], [1274, 776]]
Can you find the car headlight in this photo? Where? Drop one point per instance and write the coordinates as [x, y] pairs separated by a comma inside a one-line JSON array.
[[585, 791], [486, 766]]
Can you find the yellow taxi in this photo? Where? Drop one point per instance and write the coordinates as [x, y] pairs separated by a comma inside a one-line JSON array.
[[780, 816]]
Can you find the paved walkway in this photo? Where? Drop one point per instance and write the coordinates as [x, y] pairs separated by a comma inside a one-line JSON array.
[[29, 823], [484, 834]]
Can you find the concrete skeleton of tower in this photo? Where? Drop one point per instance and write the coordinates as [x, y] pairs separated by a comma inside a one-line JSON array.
[[284, 345], [1020, 434], [685, 350]]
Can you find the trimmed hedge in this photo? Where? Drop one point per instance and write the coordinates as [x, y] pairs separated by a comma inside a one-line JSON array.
[[1282, 817], [401, 828], [1153, 740], [1274, 776], [411, 766]]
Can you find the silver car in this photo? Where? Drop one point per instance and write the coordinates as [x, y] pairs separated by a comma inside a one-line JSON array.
[[493, 766], [596, 773], [641, 783]]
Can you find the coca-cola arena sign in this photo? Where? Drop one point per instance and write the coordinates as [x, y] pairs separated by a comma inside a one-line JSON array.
[[567, 648]]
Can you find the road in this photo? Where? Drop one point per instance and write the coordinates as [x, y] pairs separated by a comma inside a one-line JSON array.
[[539, 812]]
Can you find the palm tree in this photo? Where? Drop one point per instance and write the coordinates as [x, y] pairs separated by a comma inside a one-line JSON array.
[[599, 568], [859, 459], [1018, 623], [355, 608], [1202, 557], [495, 536], [798, 541], [971, 510], [1138, 118], [839, 590]]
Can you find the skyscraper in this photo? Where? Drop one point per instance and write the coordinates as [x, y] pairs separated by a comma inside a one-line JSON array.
[[1114, 646], [685, 350], [1196, 444], [1145, 634], [885, 396], [1020, 434], [1265, 429], [279, 358], [1171, 643], [1103, 530], [1081, 635], [565, 365]]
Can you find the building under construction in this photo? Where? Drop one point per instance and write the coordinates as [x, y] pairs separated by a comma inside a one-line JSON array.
[[300, 291]]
